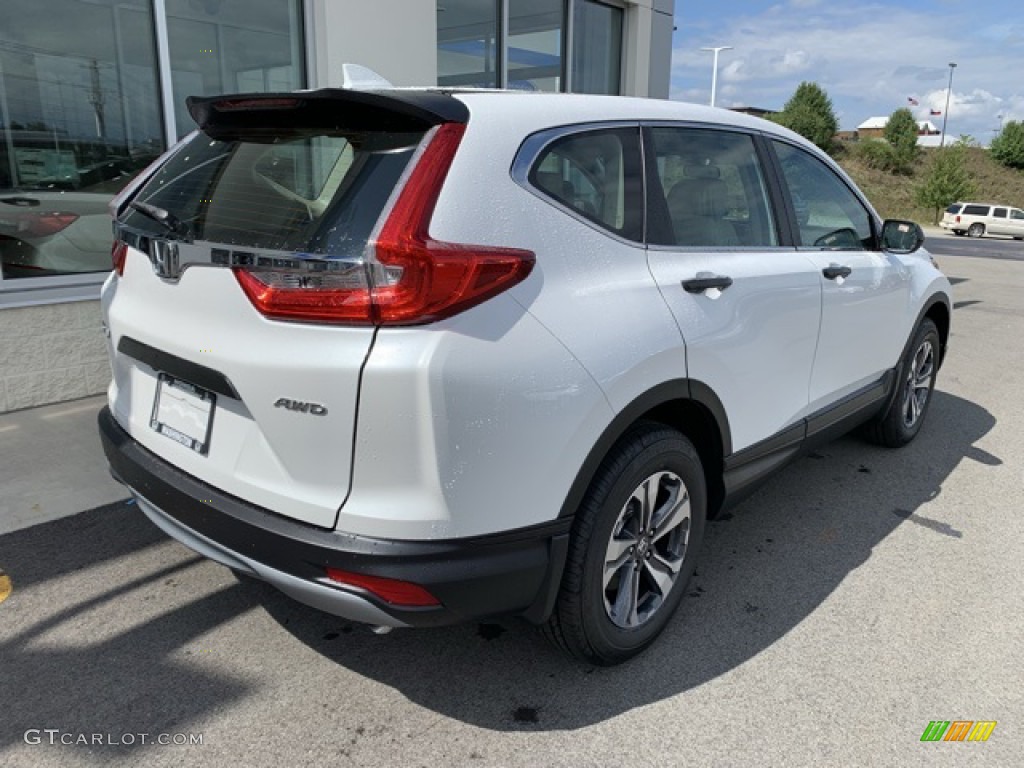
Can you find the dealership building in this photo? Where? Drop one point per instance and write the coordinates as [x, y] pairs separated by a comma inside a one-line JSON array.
[[91, 91]]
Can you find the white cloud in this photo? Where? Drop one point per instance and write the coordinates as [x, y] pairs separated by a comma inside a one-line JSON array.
[[868, 58]]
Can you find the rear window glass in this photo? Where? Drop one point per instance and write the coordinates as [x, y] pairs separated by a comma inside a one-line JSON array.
[[976, 210], [319, 194], [954, 208]]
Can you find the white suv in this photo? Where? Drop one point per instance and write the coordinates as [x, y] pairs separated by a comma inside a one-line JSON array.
[[419, 356], [978, 219]]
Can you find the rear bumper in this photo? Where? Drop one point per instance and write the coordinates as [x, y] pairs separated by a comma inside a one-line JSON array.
[[513, 572]]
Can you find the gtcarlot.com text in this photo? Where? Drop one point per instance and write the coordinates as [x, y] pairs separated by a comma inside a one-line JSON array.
[[56, 736]]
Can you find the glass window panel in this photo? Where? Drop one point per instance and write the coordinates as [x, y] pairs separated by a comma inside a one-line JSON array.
[[828, 213], [535, 45], [712, 191], [596, 174], [232, 46], [596, 48], [467, 43], [79, 117]]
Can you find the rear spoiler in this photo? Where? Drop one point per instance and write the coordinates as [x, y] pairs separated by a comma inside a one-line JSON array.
[[332, 109]]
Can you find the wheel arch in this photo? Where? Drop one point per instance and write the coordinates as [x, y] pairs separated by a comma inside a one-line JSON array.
[[687, 405]]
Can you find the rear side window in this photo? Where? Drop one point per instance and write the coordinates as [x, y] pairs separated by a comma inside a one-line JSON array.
[[706, 189], [319, 193], [999, 213], [597, 174], [976, 210]]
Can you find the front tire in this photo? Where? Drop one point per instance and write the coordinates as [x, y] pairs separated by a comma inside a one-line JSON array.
[[976, 230], [633, 548], [915, 381]]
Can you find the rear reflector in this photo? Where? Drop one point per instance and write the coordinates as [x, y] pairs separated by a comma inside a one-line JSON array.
[[409, 278], [118, 254], [391, 591]]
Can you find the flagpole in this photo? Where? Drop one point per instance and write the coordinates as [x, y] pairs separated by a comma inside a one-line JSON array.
[[945, 115]]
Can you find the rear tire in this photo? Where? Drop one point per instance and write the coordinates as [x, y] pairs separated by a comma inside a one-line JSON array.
[[976, 230], [915, 382], [633, 548]]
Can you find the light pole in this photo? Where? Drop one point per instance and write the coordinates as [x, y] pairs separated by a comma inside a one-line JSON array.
[[945, 115], [714, 68]]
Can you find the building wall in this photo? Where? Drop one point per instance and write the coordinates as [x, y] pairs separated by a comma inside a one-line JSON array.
[[51, 353], [395, 38]]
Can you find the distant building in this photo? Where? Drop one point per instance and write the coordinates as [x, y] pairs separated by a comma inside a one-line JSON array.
[[874, 128]]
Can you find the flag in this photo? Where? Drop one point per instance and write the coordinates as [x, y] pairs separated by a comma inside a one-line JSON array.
[[934, 112], [913, 101]]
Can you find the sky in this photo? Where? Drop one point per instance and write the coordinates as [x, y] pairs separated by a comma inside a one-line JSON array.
[[870, 58]]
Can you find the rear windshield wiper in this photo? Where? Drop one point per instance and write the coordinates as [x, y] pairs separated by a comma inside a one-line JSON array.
[[163, 217]]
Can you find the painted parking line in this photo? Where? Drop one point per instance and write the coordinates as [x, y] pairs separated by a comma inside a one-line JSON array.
[[5, 586]]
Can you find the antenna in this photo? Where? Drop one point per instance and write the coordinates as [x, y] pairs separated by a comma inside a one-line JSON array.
[[360, 78]]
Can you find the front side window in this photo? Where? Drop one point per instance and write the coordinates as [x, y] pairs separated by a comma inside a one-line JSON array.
[[708, 190], [828, 213], [1017, 215], [78, 119], [596, 174]]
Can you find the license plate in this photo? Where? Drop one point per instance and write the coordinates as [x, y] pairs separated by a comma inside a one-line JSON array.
[[183, 412]]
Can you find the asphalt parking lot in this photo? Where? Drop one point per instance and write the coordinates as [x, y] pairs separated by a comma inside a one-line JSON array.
[[858, 596]]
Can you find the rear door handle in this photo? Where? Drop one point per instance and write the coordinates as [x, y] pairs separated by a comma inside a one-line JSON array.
[[705, 280], [832, 271]]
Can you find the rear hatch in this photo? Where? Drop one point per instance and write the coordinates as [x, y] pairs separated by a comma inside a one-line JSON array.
[[241, 311]]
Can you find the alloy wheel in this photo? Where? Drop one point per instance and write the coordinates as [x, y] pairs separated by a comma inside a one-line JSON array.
[[646, 550], [918, 384]]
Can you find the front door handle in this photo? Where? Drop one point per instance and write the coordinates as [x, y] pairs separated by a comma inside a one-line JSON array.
[[832, 271], [705, 280]]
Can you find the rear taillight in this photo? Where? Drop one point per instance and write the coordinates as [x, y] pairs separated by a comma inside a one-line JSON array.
[[118, 254], [409, 278], [392, 591], [958, 219], [31, 224]]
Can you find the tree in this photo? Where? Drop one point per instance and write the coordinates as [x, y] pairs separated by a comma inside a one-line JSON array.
[[946, 181], [901, 133], [809, 113], [1008, 146]]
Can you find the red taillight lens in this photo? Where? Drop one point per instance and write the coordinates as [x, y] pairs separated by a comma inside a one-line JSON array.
[[415, 279], [118, 254], [437, 279], [325, 297], [392, 591], [958, 219], [42, 224]]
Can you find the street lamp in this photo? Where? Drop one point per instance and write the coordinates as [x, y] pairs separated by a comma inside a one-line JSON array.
[[945, 115], [714, 68]]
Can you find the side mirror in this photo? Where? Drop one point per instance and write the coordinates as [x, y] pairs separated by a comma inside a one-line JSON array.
[[901, 236]]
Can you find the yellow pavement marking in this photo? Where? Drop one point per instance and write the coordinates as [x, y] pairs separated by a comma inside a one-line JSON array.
[[5, 586]]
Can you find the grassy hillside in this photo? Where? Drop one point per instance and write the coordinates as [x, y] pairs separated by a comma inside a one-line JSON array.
[[893, 196]]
